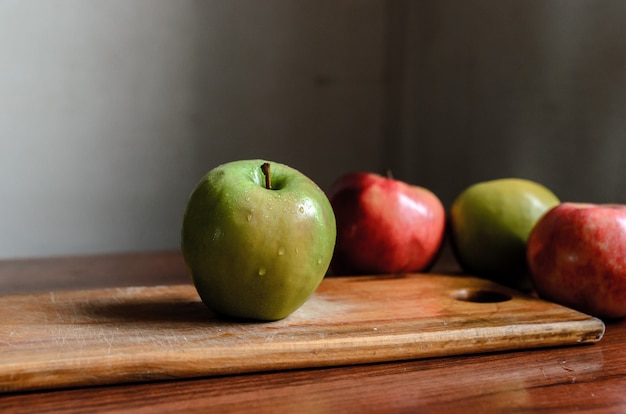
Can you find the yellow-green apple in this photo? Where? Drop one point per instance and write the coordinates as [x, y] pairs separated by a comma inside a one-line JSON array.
[[577, 257], [489, 226], [384, 225], [258, 238]]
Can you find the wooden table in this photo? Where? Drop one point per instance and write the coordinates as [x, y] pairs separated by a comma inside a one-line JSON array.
[[589, 378]]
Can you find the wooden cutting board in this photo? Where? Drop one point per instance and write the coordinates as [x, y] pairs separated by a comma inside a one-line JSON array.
[[92, 337]]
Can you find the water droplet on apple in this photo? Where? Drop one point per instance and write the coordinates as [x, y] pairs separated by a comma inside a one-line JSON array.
[[217, 234], [281, 251], [262, 271], [301, 209]]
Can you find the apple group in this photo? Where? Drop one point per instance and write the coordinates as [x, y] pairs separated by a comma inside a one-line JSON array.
[[507, 230], [258, 238]]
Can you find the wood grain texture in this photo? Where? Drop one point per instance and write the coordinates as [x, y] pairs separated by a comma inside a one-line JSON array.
[[105, 336], [43, 274]]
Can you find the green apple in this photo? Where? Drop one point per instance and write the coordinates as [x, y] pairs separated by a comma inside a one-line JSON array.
[[489, 227], [257, 238]]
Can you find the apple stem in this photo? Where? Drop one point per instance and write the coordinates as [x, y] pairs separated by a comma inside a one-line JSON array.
[[266, 171], [389, 173]]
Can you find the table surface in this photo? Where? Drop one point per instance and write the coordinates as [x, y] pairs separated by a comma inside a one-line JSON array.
[[588, 378]]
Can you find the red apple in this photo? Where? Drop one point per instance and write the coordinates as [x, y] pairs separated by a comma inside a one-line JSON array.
[[384, 225], [577, 257]]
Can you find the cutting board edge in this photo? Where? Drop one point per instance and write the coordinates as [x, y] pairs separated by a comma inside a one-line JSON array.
[[403, 346]]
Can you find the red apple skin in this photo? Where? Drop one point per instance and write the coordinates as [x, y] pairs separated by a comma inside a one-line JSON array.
[[384, 225], [577, 257]]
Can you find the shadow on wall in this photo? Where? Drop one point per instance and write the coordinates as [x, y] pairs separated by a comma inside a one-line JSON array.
[[535, 89]]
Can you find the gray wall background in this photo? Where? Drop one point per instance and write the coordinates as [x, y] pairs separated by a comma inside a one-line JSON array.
[[527, 88], [110, 111]]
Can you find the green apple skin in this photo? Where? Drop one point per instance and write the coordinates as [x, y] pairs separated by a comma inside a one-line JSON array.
[[490, 223], [257, 253]]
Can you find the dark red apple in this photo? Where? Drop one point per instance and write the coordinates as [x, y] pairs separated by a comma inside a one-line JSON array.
[[384, 225], [577, 257]]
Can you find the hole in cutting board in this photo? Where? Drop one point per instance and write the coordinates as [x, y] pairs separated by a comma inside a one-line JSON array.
[[481, 296]]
